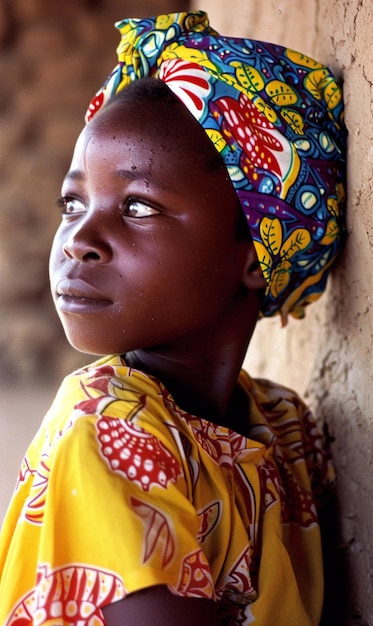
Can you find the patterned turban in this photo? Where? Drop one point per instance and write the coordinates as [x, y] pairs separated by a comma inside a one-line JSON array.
[[276, 118]]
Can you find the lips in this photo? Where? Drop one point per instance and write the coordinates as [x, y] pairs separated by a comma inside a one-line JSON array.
[[77, 296]]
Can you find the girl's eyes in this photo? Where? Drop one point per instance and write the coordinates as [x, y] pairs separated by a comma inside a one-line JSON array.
[[71, 206], [132, 208], [135, 208]]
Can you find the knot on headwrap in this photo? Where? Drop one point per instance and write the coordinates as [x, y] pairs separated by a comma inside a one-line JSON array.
[[276, 118]]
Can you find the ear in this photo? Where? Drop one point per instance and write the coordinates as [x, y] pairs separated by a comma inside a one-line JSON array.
[[252, 275]]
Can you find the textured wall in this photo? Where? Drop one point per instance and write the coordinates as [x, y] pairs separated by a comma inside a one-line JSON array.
[[329, 356], [346, 356]]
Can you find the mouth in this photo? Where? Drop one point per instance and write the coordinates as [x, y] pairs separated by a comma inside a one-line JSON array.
[[77, 296]]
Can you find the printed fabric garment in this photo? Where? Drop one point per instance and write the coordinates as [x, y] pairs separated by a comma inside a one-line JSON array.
[[121, 490]]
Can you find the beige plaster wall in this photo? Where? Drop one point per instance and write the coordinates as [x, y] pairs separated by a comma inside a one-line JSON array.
[[329, 356]]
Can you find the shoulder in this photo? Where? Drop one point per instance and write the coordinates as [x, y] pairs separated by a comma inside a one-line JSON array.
[[108, 382], [273, 400], [105, 395], [284, 413], [116, 420], [295, 432]]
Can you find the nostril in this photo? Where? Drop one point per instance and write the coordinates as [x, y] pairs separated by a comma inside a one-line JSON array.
[[87, 247], [91, 256], [67, 252]]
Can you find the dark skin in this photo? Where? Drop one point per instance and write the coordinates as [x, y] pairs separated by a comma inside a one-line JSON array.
[[147, 263]]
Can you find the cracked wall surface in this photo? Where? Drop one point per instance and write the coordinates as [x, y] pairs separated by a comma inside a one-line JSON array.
[[328, 357]]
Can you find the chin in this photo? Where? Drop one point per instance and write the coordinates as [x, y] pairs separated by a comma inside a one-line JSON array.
[[88, 347]]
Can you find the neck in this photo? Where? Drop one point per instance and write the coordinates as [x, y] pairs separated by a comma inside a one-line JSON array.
[[202, 382]]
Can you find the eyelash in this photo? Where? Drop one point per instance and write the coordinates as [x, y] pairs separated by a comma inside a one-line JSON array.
[[63, 202]]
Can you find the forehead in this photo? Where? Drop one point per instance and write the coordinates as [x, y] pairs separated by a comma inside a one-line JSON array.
[[161, 125]]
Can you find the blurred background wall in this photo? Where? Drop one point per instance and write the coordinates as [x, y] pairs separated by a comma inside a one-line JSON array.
[[53, 56]]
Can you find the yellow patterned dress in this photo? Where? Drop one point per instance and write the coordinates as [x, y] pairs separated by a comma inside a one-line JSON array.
[[121, 490]]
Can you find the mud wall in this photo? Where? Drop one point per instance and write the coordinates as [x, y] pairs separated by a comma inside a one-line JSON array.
[[328, 357]]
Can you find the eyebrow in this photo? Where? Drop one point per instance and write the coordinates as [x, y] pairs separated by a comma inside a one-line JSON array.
[[74, 175], [133, 174]]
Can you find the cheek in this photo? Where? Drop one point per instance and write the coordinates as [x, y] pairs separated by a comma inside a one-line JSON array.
[[194, 282]]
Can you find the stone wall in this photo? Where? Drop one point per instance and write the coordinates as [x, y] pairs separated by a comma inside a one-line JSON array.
[[329, 356]]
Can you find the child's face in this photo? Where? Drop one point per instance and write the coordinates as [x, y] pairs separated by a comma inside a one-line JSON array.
[[146, 254]]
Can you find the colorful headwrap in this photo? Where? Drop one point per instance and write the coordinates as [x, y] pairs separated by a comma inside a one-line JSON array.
[[276, 118]]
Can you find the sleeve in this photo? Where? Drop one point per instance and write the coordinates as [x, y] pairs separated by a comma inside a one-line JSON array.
[[118, 506]]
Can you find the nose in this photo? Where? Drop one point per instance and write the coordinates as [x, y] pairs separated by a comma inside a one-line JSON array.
[[86, 244]]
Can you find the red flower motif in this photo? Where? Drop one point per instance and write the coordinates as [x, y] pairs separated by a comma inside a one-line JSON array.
[[71, 595], [138, 455], [94, 106], [251, 131], [189, 82]]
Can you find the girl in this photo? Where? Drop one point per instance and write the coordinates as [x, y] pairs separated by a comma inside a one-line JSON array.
[[165, 485]]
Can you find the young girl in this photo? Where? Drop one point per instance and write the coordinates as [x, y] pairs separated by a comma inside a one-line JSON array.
[[165, 486]]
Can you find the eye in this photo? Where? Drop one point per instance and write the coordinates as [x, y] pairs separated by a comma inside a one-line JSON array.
[[138, 209], [70, 206]]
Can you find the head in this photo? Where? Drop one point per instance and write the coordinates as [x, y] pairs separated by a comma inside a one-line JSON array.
[[151, 250], [276, 118]]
